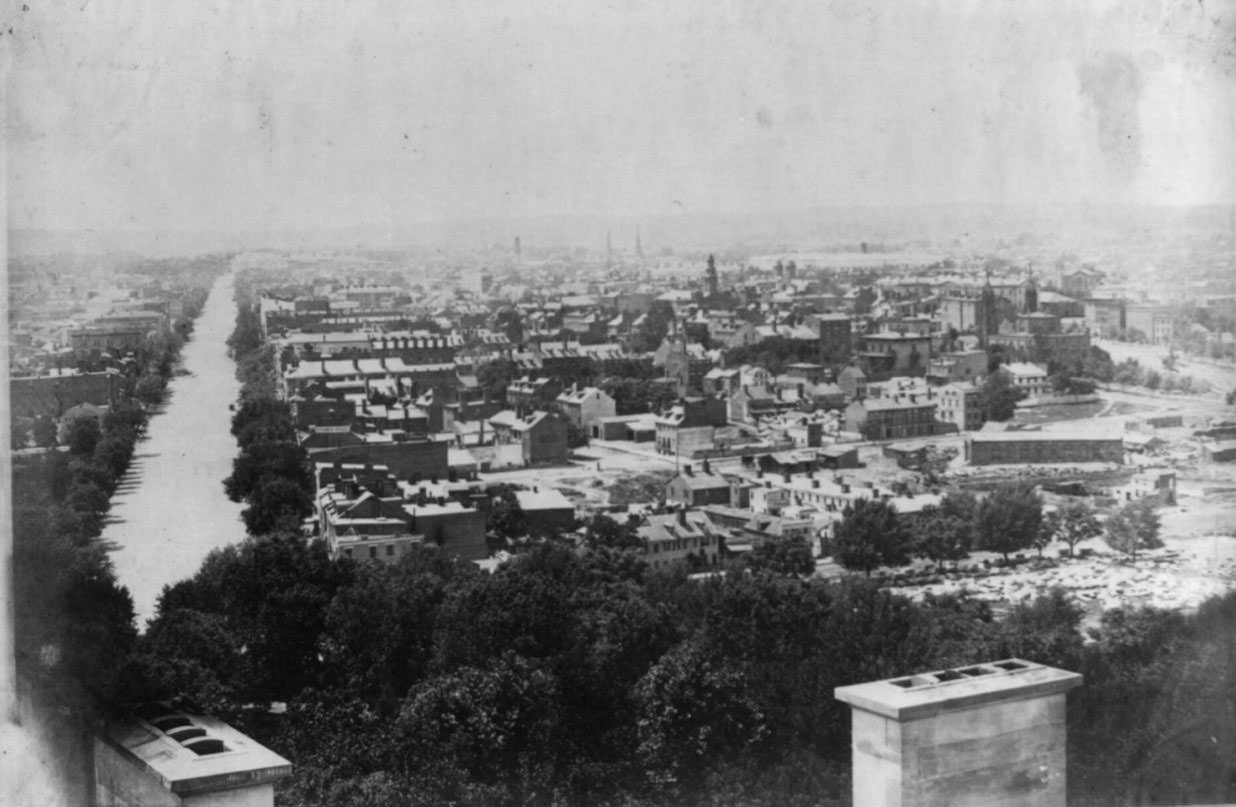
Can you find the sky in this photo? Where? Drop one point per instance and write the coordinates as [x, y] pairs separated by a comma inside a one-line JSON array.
[[203, 115]]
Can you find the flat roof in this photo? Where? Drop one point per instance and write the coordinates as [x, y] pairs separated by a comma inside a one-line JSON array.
[[915, 696], [1040, 436], [194, 753]]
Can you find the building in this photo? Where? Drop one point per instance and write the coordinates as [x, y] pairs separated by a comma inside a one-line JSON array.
[[748, 404], [584, 407], [680, 537], [106, 339], [541, 435], [410, 458], [1155, 321], [1080, 282], [690, 425], [885, 419], [1218, 450], [696, 489], [836, 338], [910, 353], [532, 393], [169, 754], [1105, 316], [1039, 447], [957, 365], [546, 511], [960, 404], [986, 734], [1029, 378], [60, 390]]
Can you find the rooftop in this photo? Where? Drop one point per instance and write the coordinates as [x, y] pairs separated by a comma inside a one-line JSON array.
[[915, 696], [194, 753]]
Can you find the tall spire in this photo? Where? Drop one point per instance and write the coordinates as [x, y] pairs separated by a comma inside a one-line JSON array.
[[609, 251], [639, 246]]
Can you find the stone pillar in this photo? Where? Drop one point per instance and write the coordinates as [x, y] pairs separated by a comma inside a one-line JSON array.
[[989, 735]]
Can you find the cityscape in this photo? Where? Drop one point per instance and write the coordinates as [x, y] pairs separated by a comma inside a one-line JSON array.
[[475, 469]]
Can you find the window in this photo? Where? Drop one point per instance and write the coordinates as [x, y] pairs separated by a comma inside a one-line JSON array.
[[390, 550], [373, 551]]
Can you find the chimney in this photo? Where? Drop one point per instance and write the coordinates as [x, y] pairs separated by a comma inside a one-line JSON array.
[[815, 483], [707, 467], [682, 516], [986, 734]]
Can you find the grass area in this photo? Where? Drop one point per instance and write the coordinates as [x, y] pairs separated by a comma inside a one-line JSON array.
[[639, 488]]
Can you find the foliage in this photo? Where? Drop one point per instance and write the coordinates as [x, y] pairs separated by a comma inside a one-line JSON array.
[[83, 435], [506, 518], [635, 395], [870, 535], [999, 396], [44, 431], [604, 531], [1008, 520], [494, 376], [787, 556], [1134, 526], [941, 534], [1070, 523]]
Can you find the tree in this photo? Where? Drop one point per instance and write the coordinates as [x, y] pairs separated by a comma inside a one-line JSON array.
[[604, 531], [870, 535], [941, 535], [511, 323], [693, 710], [276, 504], [999, 396], [44, 431], [494, 724], [494, 376], [263, 417], [1008, 520], [267, 458], [1070, 523], [20, 433], [83, 435], [784, 556], [1134, 526], [150, 389], [506, 517]]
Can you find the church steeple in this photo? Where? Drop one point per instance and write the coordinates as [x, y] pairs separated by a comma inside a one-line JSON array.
[[639, 246]]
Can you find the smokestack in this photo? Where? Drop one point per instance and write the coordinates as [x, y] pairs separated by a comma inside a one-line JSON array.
[[986, 734]]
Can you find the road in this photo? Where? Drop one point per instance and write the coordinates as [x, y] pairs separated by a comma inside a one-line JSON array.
[[170, 509]]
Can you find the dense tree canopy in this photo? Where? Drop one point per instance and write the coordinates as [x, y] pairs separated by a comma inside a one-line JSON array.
[[1008, 520], [870, 535]]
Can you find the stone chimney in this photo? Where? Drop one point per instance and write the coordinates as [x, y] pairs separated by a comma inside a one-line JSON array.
[[989, 734]]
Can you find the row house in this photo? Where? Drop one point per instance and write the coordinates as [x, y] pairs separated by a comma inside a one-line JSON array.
[[885, 419]]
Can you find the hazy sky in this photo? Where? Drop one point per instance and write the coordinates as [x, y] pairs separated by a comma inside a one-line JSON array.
[[264, 114]]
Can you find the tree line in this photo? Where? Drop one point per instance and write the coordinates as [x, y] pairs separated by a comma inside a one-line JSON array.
[[872, 534], [584, 677], [74, 622]]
